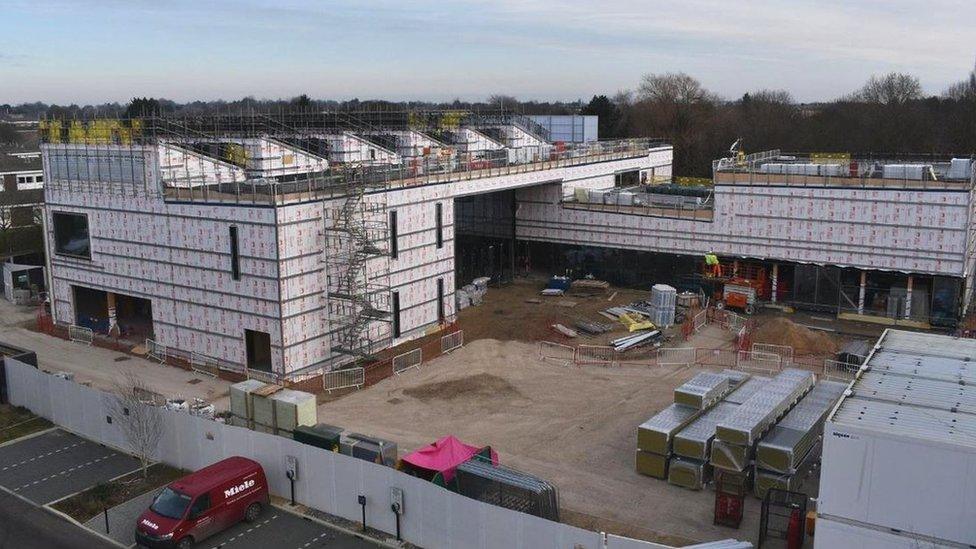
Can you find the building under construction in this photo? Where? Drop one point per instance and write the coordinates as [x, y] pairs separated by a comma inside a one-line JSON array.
[[297, 243]]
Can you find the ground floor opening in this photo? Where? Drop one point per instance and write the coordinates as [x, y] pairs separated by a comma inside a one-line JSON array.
[[484, 238], [258, 350], [895, 298], [125, 316]]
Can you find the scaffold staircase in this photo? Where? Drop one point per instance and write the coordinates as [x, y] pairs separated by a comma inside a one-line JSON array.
[[357, 269]]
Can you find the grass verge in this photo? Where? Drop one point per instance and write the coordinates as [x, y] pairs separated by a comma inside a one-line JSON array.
[[85, 505], [16, 422]]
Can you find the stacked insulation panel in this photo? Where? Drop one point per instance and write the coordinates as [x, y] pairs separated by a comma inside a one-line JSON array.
[[270, 408], [655, 436], [691, 447], [790, 445], [736, 436], [663, 300]]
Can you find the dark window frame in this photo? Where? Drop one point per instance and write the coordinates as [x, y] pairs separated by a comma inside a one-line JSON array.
[[441, 314], [235, 254], [58, 247], [395, 302], [439, 219], [394, 247]]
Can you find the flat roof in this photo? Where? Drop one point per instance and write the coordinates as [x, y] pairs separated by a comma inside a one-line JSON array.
[[915, 385]]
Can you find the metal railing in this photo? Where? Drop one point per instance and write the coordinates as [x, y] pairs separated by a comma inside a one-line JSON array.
[[344, 379], [410, 359], [452, 341], [80, 334]]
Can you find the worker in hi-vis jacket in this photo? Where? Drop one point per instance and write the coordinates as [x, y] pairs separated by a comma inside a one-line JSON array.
[[715, 268]]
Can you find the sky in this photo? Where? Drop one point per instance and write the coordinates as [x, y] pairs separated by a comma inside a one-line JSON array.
[[94, 51]]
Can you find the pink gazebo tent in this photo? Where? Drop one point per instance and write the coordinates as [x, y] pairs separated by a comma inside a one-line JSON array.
[[441, 458]]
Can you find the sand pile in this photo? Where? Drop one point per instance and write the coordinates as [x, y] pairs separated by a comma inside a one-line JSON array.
[[783, 331]]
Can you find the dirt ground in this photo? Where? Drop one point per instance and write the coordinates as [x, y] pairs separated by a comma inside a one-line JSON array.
[[575, 427], [508, 314]]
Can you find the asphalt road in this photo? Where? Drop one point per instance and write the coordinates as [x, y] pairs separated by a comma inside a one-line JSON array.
[[24, 526]]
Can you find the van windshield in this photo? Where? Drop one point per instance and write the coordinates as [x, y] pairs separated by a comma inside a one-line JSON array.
[[170, 503]]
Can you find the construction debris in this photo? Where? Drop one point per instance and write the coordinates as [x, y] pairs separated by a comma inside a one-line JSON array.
[[568, 332], [592, 328]]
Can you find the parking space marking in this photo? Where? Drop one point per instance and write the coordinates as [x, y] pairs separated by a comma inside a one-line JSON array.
[[66, 471], [257, 525], [315, 539], [40, 456]]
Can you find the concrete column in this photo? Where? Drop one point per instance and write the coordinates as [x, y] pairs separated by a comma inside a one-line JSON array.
[[908, 298], [860, 296], [113, 321], [775, 282]]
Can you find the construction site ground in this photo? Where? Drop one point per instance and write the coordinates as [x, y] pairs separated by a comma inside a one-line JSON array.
[[574, 426], [103, 368]]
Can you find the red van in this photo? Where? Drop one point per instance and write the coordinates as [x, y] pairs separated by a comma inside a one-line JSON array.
[[204, 503]]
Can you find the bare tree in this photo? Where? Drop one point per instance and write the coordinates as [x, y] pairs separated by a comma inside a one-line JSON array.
[[672, 87], [964, 89], [894, 88], [137, 415]]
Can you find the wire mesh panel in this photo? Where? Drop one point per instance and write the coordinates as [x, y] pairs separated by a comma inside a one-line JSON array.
[[756, 361], [452, 341], [80, 334], [676, 356], [839, 371], [204, 364], [700, 320], [785, 352], [557, 353], [344, 379], [408, 360], [155, 351], [595, 354]]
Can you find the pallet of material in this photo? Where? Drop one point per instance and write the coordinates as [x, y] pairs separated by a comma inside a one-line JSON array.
[[590, 285], [703, 390], [695, 440], [754, 416], [652, 465], [730, 456], [592, 328], [655, 434], [764, 480], [782, 449], [688, 473]]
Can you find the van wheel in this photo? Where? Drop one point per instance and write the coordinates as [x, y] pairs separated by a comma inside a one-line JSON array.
[[185, 543], [252, 512]]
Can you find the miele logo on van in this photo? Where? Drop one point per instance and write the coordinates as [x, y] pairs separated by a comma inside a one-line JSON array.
[[239, 488], [844, 435], [150, 524]]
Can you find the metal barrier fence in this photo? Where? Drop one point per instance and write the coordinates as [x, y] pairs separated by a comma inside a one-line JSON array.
[[756, 361], [557, 353], [676, 356], [595, 354], [343, 379], [265, 376], [407, 360], [785, 352], [80, 334], [204, 364], [452, 341], [836, 370], [155, 350], [717, 358], [700, 320]]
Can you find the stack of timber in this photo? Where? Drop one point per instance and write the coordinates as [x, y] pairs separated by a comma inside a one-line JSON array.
[[736, 436]]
